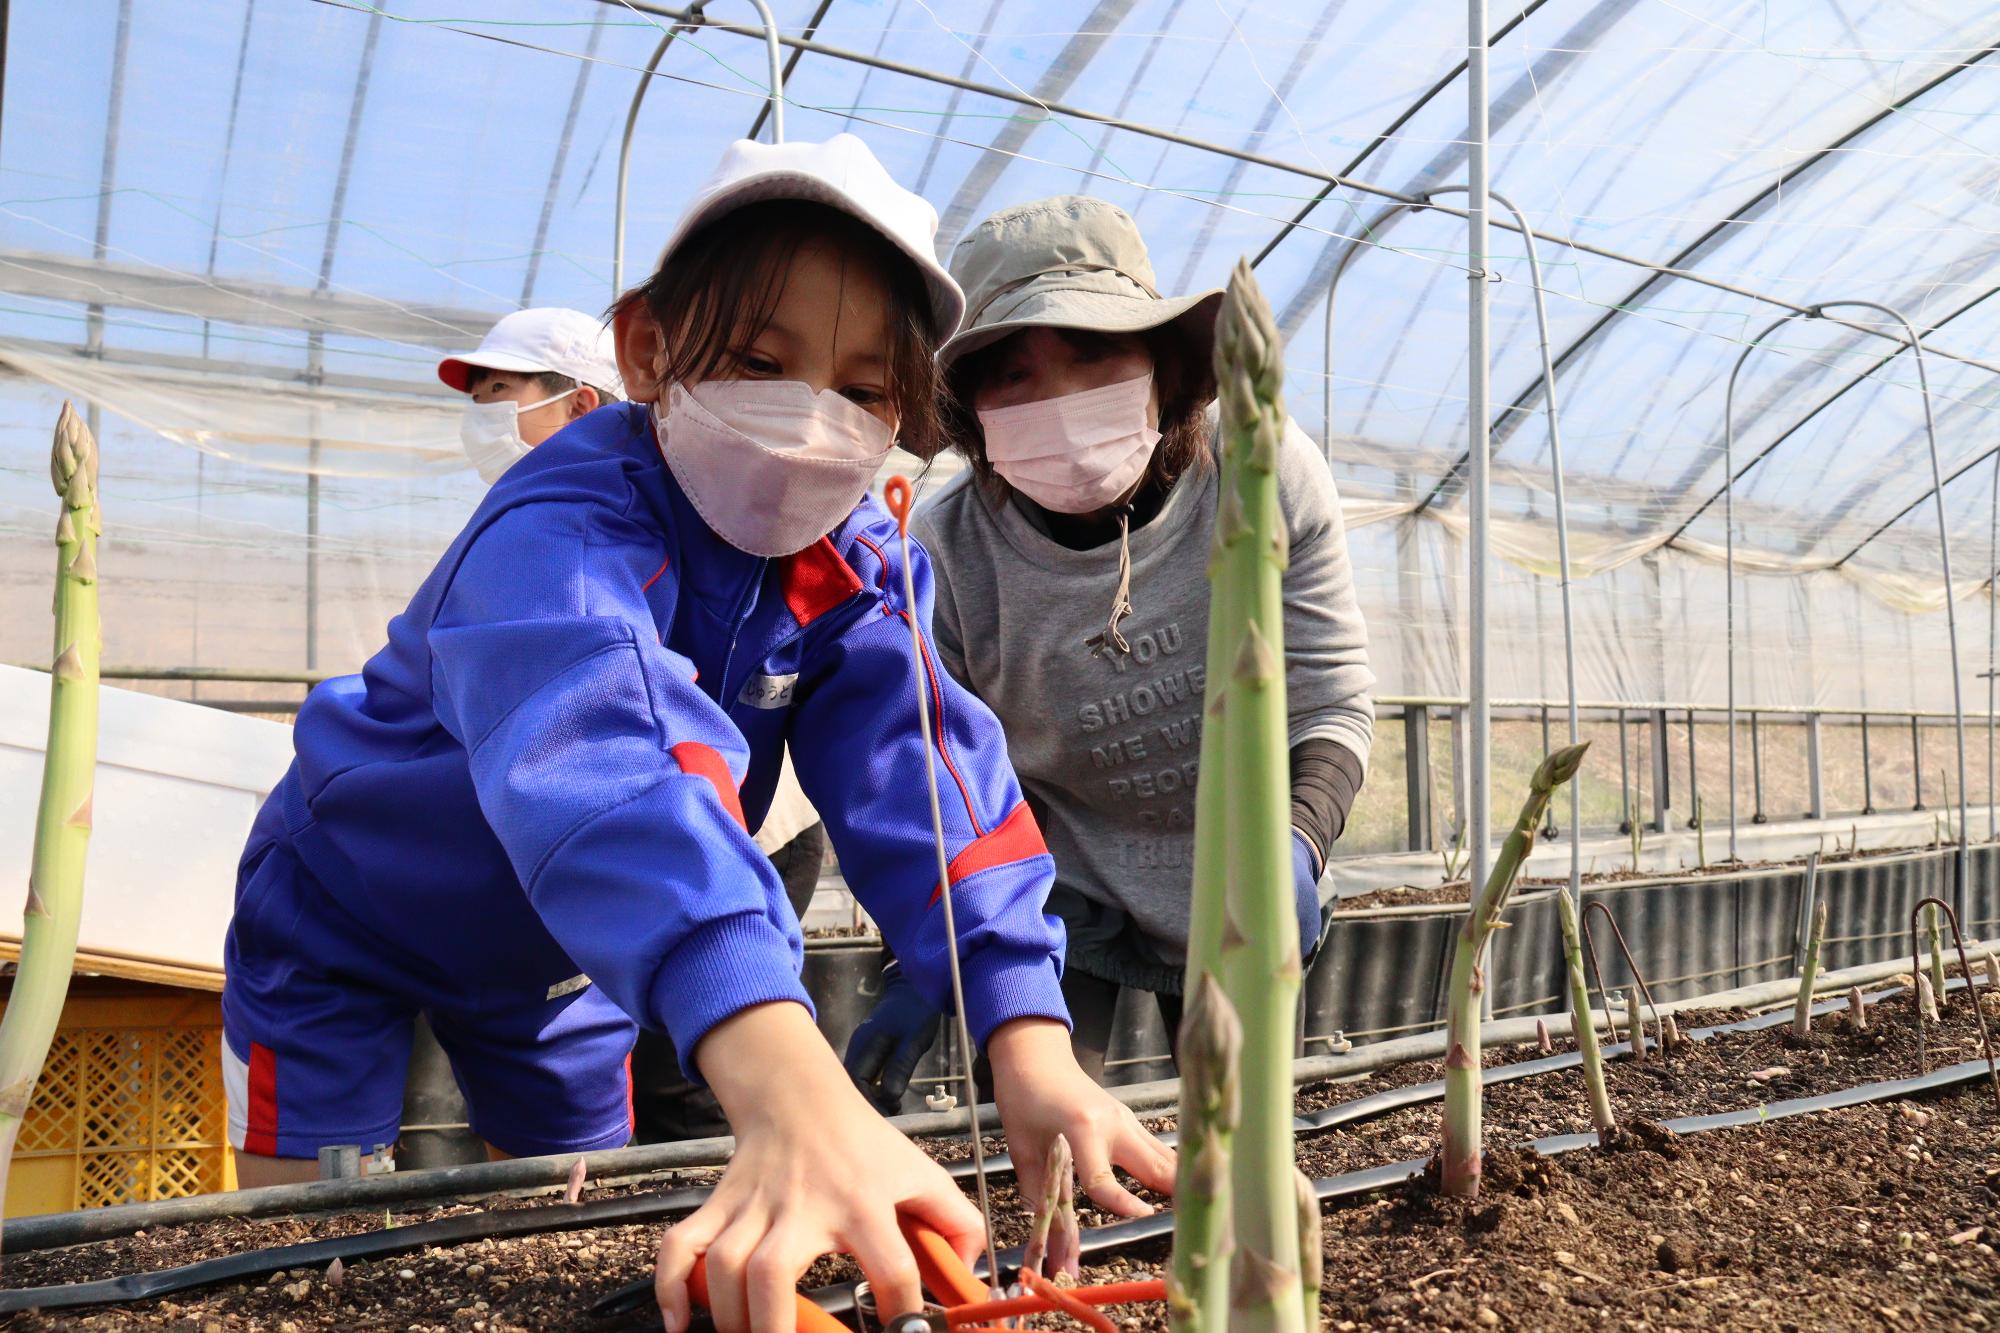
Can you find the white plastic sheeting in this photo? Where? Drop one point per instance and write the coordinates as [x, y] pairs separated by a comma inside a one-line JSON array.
[[177, 787], [245, 239]]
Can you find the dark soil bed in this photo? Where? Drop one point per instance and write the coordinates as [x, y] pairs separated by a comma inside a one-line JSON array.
[[1878, 1216]]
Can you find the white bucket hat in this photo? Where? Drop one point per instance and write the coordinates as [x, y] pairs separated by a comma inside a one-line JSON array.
[[840, 173], [540, 341], [1070, 262]]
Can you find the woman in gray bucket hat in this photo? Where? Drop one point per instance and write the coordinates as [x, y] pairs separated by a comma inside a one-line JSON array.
[[1072, 594]]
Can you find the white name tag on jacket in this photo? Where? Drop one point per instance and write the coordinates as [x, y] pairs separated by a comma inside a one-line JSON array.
[[570, 987], [761, 691]]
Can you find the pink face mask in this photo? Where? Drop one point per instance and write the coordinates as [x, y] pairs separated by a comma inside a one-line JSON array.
[[1077, 453], [771, 465]]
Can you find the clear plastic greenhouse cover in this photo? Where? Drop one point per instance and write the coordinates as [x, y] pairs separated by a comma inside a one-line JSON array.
[[243, 235]]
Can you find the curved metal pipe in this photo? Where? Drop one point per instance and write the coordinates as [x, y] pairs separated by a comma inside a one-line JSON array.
[[1915, 342], [1562, 517], [777, 106], [1555, 459], [1945, 559], [1729, 558]]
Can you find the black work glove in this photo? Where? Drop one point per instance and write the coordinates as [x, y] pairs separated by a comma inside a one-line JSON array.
[[886, 1048]]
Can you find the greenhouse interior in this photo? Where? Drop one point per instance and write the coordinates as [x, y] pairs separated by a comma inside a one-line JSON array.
[[1607, 373]]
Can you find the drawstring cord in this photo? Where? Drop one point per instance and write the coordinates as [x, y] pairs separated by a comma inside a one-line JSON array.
[[1121, 601]]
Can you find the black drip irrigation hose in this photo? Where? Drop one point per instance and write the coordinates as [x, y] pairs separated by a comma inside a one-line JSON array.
[[1417, 1094], [489, 1224], [839, 1300], [651, 1207]]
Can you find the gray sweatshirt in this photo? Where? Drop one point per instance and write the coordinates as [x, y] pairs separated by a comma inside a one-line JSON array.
[[1106, 746]]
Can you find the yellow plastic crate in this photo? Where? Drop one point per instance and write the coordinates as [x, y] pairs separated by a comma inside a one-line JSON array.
[[130, 1105]]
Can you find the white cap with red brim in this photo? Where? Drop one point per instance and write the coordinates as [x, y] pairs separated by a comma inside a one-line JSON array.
[[539, 341]]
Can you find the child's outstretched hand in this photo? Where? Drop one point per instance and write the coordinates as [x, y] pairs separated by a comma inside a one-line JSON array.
[[1042, 1092], [816, 1171]]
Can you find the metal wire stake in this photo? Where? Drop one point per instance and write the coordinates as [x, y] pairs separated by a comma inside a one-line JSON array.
[[897, 494]]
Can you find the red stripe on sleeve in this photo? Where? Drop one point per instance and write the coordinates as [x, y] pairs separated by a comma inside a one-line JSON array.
[[1015, 838], [937, 719], [260, 1132], [704, 762]]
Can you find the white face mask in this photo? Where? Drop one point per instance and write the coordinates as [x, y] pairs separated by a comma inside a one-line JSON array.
[[491, 434], [769, 464], [1077, 453]]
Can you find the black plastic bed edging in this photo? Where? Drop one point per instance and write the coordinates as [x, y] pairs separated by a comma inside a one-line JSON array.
[[650, 1207]]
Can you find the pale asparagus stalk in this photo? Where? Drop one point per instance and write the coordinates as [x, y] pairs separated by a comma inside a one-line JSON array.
[[1927, 1010], [1312, 1257], [1857, 1009], [1054, 1209], [1581, 1022], [1635, 1025], [1808, 973], [62, 825], [1462, 1105], [1211, 1047], [1937, 954]]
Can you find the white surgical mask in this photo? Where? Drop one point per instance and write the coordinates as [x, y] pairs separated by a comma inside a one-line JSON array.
[[769, 464], [491, 433], [1077, 453]]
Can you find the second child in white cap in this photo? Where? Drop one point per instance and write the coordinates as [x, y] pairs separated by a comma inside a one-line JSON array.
[[533, 373]]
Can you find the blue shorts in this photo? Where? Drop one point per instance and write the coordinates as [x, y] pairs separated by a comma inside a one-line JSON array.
[[317, 1014]]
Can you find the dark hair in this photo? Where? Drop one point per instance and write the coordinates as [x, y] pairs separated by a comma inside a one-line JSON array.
[[1182, 374], [550, 382], [723, 285]]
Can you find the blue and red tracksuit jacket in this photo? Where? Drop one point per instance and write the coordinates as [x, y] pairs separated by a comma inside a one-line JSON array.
[[553, 765]]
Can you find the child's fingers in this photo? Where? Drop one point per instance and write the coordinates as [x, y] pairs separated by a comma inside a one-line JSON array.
[[1093, 1168], [771, 1280], [1150, 1162], [726, 1263], [885, 1257], [679, 1249], [945, 1210]]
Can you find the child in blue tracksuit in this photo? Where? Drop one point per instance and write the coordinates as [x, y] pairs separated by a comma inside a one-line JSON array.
[[528, 817]]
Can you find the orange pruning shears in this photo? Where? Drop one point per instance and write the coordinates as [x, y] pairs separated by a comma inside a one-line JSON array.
[[964, 1302]]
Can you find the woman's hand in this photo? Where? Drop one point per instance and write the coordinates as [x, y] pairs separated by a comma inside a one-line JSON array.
[[816, 1171], [1042, 1093]]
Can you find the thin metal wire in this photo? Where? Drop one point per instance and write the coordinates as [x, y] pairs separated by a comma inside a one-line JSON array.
[[964, 1033], [1052, 109]]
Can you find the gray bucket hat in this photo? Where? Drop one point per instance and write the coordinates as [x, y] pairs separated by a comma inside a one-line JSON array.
[[1070, 262]]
